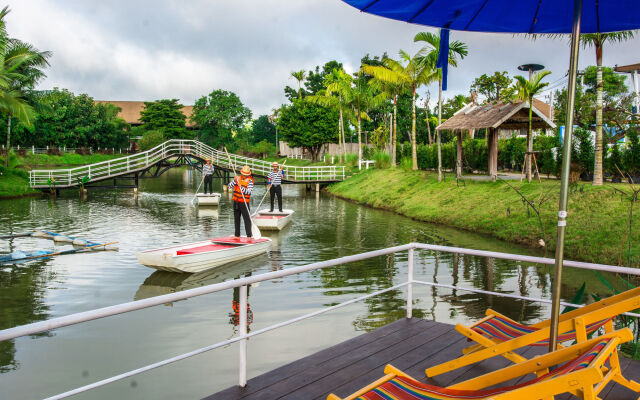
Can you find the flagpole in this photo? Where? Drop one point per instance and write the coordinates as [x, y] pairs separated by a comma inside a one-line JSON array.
[[566, 164]]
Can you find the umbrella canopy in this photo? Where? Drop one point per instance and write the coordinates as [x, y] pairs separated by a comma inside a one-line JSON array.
[[521, 16], [510, 16]]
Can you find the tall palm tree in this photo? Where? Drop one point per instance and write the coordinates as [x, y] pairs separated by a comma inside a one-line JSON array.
[[299, 76], [20, 70], [362, 100], [337, 96], [411, 75], [597, 40], [389, 89], [526, 90], [431, 52]]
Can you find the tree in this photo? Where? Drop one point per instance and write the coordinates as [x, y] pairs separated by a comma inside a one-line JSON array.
[[165, 116], [219, 115], [263, 129], [391, 89], [20, 70], [336, 96], [299, 76], [307, 125], [361, 100], [430, 54], [413, 74], [526, 91], [66, 119], [497, 88]]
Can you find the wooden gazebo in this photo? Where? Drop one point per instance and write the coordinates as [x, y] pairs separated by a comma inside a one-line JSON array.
[[495, 117]]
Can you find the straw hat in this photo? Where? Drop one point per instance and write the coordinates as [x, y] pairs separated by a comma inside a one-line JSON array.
[[275, 164], [245, 170]]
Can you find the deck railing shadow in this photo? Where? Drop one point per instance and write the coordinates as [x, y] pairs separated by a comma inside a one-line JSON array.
[[243, 284]]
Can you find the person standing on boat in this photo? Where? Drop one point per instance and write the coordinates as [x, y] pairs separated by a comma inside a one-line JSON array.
[[207, 175], [242, 187], [274, 179]]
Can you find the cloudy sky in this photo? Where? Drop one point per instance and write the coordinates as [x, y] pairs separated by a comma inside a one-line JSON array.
[[147, 50]]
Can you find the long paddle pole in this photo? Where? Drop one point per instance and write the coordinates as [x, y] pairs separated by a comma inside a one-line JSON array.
[[198, 189], [64, 252], [254, 228]]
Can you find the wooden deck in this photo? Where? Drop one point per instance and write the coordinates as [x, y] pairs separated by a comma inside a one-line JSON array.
[[409, 344]]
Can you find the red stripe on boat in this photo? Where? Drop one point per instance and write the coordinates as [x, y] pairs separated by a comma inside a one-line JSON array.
[[266, 216], [203, 249]]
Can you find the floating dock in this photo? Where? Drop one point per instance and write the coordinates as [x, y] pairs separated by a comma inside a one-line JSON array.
[[409, 344]]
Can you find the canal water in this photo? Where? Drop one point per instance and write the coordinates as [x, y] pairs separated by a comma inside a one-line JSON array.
[[162, 214]]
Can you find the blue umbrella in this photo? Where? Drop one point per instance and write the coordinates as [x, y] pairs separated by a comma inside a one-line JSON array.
[[520, 16]]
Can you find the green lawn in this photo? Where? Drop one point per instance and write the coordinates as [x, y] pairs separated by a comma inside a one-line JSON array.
[[597, 222]]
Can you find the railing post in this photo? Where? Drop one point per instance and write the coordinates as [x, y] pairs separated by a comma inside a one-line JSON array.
[[69, 178], [410, 285], [242, 321]]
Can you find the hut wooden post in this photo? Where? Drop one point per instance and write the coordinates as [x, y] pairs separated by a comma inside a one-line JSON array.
[[459, 155], [492, 143]]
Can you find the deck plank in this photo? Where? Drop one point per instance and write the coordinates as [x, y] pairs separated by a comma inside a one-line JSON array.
[[409, 344]]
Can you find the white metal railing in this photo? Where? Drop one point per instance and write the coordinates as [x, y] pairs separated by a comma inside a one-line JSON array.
[[64, 149], [62, 178], [243, 283]]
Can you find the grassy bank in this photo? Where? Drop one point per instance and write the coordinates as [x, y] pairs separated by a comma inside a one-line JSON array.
[[597, 222], [14, 181]]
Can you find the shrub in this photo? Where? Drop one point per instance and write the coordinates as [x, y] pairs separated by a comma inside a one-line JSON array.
[[150, 139], [54, 151], [406, 163], [631, 156], [382, 159]]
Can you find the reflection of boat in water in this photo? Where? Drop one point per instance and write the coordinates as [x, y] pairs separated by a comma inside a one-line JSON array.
[[163, 282], [211, 212]]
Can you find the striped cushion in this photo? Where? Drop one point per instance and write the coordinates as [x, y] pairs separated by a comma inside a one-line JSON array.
[[504, 329], [401, 388]]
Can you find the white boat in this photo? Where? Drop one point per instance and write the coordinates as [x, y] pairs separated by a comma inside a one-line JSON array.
[[272, 220], [208, 199], [201, 256]]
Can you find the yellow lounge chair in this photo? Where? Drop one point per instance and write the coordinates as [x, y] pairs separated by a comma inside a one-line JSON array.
[[582, 373], [497, 335]]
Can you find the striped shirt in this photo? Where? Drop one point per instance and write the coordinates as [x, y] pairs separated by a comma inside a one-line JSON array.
[[207, 169], [275, 178]]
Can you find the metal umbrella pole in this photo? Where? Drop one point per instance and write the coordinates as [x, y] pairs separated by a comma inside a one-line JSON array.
[[564, 185]]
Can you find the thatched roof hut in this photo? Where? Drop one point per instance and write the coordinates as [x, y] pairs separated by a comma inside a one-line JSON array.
[[500, 116], [130, 111], [494, 117]]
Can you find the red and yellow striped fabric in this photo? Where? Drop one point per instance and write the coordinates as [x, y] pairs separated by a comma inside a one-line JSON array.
[[504, 329], [402, 388]]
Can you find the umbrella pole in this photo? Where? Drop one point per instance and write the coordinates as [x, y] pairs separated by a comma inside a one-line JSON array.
[[566, 166]]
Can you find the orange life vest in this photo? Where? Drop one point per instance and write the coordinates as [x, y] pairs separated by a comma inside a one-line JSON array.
[[237, 194]]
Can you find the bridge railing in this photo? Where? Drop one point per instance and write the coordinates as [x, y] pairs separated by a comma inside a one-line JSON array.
[[62, 178]]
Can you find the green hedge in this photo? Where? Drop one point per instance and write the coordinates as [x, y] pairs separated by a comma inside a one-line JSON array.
[[511, 154]]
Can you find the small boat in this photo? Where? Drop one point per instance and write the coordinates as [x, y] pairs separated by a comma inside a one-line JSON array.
[[272, 220], [208, 199], [200, 256]]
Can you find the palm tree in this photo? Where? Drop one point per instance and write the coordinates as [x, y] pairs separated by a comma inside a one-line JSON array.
[[431, 52], [337, 96], [389, 89], [299, 76], [20, 65], [526, 91], [361, 99], [597, 40], [413, 74]]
